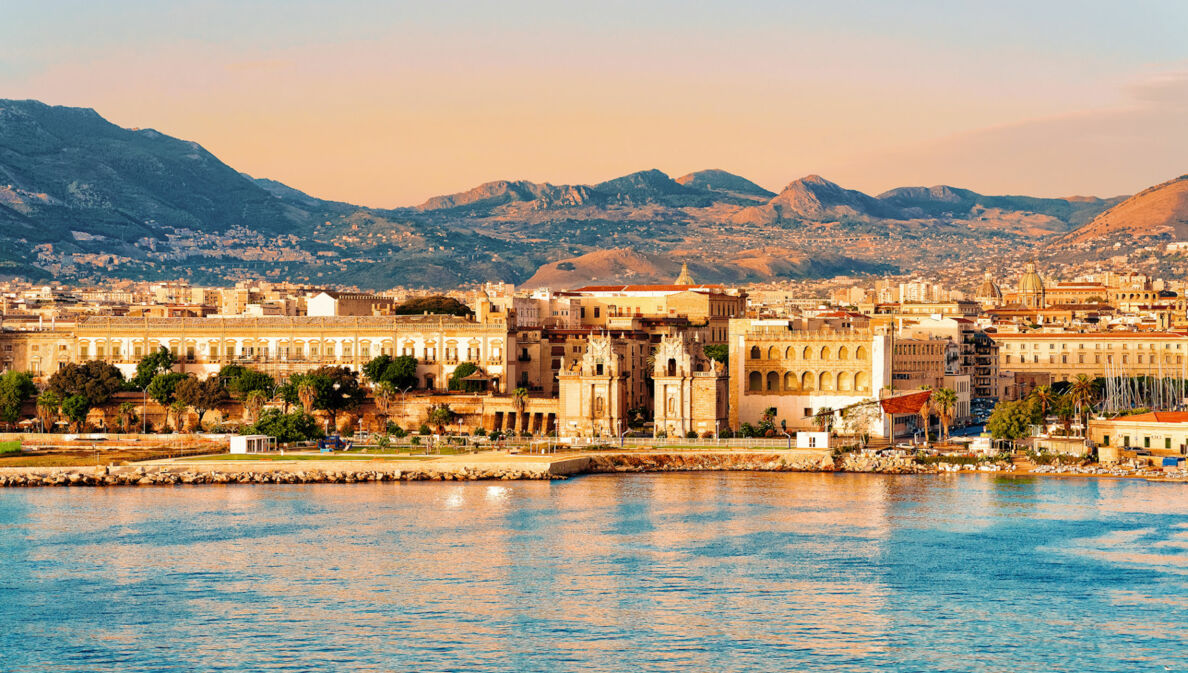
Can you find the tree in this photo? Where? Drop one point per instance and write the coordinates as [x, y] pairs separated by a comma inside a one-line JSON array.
[[719, 352], [163, 387], [1010, 420], [202, 395], [519, 403], [15, 389], [295, 427], [49, 405], [437, 304], [95, 381], [239, 380], [944, 401], [254, 404], [336, 389], [400, 371], [151, 365], [824, 419], [925, 414], [126, 415], [384, 394], [76, 408], [463, 370], [177, 410], [1044, 400], [1083, 395], [1065, 412], [440, 415]]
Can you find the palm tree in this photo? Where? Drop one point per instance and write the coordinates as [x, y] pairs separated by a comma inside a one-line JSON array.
[[824, 419], [385, 395], [178, 410], [254, 404], [925, 414], [1083, 395], [49, 405], [125, 414], [519, 403], [307, 393], [944, 401], [1045, 399], [440, 416], [769, 414]]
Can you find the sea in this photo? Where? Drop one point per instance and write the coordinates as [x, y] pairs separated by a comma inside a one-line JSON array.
[[711, 571]]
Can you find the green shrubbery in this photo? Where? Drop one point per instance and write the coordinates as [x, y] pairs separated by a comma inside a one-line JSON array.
[[295, 427]]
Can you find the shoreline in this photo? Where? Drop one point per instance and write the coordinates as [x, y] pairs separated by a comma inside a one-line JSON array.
[[504, 467]]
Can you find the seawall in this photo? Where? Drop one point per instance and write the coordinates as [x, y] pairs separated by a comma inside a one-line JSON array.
[[452, 468]]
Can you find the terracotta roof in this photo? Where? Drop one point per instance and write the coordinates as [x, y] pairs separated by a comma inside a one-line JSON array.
[[1158, 417], [905, 404]]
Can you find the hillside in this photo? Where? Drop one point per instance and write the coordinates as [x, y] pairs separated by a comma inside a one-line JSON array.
[[1160, 211], [81, 198]]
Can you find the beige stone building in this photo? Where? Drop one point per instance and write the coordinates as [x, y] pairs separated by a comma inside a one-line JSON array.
[[690, 389], [1065, 355], [773, 364], [596, 389]]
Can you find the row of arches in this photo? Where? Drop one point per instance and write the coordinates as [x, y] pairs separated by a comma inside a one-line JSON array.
[[804, 382], [809, 353]]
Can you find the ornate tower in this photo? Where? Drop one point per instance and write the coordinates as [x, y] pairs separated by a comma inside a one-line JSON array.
[[593, 392], [684, 278], [690, 388]]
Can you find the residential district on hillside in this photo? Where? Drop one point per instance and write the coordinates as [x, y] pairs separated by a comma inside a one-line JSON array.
[[884, 361]]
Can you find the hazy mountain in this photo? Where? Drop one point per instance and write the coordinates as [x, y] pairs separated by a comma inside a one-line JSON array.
[[1159, 211], [83, 198]]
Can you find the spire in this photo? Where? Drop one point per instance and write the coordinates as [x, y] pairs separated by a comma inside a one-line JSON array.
[[684, 278]]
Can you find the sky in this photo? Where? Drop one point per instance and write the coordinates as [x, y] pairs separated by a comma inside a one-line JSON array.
[[388, 103]]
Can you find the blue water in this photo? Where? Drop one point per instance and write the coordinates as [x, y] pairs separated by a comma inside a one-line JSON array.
[[676, 572]]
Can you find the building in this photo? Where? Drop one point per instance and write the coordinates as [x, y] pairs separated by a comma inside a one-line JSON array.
[[593, 390], [1065, 355], [690, 393], [1165, 431], [330, 304], [774, 364]]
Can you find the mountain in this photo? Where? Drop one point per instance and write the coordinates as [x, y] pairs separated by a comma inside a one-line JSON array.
[[1159, 211], [727, 184], [83, 199], [629, 267]]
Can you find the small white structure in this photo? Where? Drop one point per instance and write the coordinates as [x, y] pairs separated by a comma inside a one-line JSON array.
[[812, 440], [251, 444]]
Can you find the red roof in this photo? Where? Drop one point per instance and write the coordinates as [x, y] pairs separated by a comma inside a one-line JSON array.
[[906, 404], [1158, 417]]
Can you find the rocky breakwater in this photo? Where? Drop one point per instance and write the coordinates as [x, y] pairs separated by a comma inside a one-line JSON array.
[[751, 462], [153, 476]]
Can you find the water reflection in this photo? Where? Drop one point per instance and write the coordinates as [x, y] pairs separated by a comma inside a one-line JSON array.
[[731, 572]]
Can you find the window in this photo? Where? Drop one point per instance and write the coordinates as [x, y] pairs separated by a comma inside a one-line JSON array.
[[597, 311]]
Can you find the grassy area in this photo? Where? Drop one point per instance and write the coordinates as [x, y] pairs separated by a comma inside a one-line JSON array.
[[10, 448], [319, 456], [89, 457]]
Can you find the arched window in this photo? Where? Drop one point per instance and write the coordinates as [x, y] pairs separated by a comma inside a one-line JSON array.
[[773, 353], [825, 354], [845, 381], [807, 354], [860, 354], [826, 381], [791, 381], [843, 353], [862, 382], [754, 381], [755, 353], [773, 381], [671, 366], [790, 353], [808, 381]]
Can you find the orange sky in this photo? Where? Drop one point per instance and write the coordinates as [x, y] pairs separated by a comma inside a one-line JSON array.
[[387, 104]]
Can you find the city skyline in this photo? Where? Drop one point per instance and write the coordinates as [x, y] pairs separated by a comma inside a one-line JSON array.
[[387, 106]]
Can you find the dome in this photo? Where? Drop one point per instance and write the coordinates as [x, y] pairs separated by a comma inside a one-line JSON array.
[[988, 289], [1030, 282]]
